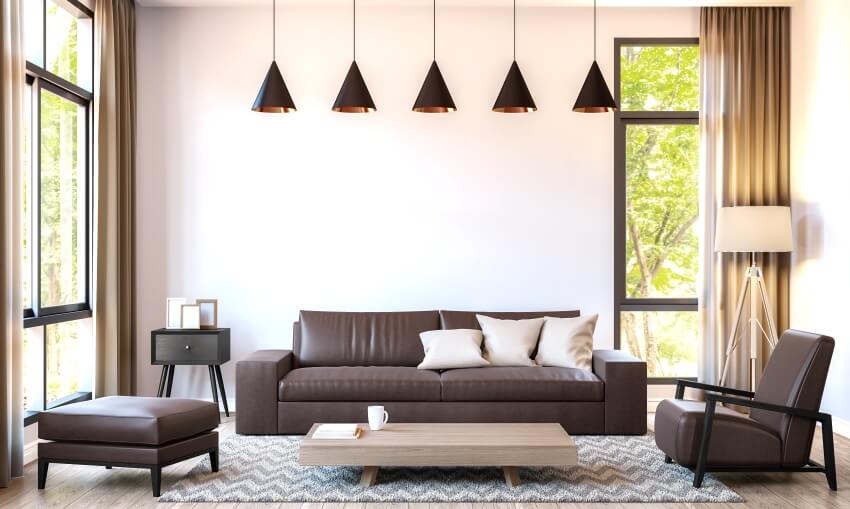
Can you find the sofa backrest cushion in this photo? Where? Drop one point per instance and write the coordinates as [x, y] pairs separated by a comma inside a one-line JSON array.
[[331, 338], [467, 320]]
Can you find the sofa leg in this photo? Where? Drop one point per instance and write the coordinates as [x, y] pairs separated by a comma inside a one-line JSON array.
[[214, 460], [667, 459], [829, 454], [156, 479], [42, 473]]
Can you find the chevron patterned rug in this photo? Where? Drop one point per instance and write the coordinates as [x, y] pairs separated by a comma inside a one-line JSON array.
[[610, 469]]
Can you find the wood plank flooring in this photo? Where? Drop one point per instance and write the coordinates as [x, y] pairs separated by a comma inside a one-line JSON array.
[[85, 487]]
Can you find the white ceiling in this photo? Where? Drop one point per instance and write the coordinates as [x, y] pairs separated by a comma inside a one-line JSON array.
[[473, 3]]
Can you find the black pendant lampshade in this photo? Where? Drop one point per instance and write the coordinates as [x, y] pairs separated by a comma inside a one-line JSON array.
[[514, 96], [354, 96], [434, 96], [273, 96], [594, 97]]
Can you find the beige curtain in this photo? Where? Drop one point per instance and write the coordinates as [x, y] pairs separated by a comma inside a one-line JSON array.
[[115, 266], [744, 127], [11, 196]]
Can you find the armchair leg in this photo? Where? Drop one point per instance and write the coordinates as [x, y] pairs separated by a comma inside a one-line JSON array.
[[829, 454], [702, 459]]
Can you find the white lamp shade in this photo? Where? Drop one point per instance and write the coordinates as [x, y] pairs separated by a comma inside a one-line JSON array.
[[753, 230]]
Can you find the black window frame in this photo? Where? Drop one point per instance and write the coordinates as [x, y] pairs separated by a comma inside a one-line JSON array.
[[39, 78], [622, 119]]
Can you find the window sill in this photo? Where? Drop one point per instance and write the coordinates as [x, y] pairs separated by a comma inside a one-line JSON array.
[[31, 416], [38, 321]]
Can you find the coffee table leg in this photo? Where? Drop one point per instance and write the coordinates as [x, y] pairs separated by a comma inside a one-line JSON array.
[[368, 477], [511, 476]]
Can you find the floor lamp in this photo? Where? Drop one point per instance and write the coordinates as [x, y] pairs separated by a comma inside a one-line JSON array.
[[752, 230]]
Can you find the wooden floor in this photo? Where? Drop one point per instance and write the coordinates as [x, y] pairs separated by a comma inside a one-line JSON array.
[[95, 487]]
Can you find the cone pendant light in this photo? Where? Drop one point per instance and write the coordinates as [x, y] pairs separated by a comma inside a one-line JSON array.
[[354, 97], [514, 96], [273, 96], [594, 97], [434, 96]]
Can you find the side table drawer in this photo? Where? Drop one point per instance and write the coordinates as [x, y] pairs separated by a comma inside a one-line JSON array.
[[187, 349]]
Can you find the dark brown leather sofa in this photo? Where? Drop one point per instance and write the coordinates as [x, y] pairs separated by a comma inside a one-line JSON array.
[[342, 362]]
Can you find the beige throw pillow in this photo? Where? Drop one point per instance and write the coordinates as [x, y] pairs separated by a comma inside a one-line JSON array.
[[509, 342], [567, 342], [452, 349]]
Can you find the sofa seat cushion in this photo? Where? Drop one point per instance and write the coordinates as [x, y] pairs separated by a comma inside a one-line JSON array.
[[360, 383], [128, 420], [736, 440], [521, 384]]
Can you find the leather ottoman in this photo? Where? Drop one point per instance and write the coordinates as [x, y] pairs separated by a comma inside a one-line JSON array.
[[130, 432]]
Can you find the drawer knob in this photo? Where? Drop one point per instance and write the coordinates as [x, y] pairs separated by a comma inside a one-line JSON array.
[[188, 347]]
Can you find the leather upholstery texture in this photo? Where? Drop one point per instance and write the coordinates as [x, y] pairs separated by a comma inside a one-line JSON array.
[[129, 420], [625, 391], [360, 383], [362, 339], [577, 417], [795, 376], [257, 378], [736, 440], [127, 453], [467, 320], [521, 384]]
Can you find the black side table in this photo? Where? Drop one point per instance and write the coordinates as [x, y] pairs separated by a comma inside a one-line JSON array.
[[191, 347]]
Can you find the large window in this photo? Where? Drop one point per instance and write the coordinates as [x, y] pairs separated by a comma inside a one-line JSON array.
[[56, 179], [657, 203]]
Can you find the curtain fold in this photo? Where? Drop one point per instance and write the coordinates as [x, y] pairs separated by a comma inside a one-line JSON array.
[[12, 66], [115, 132], [744, 129]]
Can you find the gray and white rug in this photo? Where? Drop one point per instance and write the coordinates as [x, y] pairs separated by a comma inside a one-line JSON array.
[[610, 469]]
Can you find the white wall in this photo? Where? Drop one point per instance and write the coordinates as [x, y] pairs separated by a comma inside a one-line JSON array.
[[387, 211], [820, 179]]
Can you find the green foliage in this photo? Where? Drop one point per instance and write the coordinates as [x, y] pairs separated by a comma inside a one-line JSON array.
[[662, 201]]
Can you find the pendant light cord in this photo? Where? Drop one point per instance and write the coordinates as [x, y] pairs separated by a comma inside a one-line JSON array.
[[434, 26], [515, 30], [354, 29], [274, 30], [594, 30]]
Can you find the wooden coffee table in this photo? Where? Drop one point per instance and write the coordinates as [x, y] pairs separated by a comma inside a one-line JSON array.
[[445, 445]]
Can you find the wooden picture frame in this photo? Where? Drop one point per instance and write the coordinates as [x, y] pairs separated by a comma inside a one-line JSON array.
[[190, 316], [209, 313]]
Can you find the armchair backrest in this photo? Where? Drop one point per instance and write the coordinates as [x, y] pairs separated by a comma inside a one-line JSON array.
[[795, 376]]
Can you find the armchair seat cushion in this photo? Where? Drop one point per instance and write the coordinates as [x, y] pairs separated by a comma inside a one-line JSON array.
[[360, 383], [522, 384], [736, 439]]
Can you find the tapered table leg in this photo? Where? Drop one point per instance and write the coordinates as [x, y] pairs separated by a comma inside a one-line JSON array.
[[170, 381], [221, 389], [511, 476], [162, 378], [214, 390], [368, 477]]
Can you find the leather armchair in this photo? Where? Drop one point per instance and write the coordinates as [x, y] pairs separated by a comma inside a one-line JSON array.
[[777, 434]]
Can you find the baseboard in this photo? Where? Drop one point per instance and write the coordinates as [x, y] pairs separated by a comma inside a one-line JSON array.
[[841, 427], [30, 452]]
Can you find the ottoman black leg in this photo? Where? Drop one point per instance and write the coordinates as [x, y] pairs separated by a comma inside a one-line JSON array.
[[109, 467], [214, 460], [42, 473], [156, 479]]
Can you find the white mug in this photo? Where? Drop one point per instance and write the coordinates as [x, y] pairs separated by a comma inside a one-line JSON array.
[[377, 417]]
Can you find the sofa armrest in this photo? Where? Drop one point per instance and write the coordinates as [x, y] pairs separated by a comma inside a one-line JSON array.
[[625, 391], [257, 378]]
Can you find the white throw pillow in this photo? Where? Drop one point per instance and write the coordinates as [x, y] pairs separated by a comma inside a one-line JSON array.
[[567, 342], [452, 349], [509, 342]]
